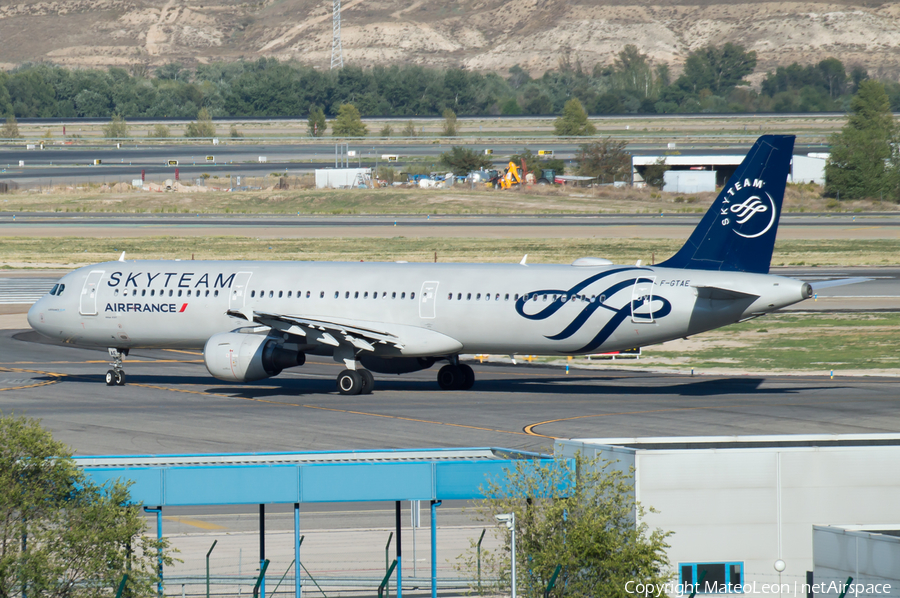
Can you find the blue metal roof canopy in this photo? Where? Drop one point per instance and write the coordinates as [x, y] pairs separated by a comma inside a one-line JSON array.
[[307, 477], [310, 477]]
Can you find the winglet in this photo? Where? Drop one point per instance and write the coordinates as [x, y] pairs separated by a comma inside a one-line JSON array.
[[524, 259], [122, 257]]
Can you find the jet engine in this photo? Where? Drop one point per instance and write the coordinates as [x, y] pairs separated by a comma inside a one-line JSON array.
[[395, 365], [238, 357]]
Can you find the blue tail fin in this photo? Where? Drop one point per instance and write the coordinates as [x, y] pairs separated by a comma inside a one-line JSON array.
[[738, 231]]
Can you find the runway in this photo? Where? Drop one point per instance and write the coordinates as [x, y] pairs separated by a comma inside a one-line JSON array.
[[172, 405]]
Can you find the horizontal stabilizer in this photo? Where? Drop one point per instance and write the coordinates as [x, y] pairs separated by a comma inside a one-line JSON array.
[[827, 284], [720, 294]]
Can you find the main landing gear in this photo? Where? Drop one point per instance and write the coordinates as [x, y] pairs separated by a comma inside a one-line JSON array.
[[456, 376], [355, 382], [116, 376]]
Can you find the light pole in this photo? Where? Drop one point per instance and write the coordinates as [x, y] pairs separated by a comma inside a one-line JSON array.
[[779, 566], [510, 520]]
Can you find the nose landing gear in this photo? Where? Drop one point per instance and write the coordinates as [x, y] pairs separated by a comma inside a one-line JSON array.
[[116, 376]]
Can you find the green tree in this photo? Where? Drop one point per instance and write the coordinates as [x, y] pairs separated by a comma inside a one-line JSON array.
[[463, 160], [633, 73], [582, 518], [234, 133], [348, 122], [864, 161], [159, 131], [116, 128], [718, 69], [449, 128], [81, 538], [386, 131], [606, 160], [316, 124], [11, 128], [202, 127], [409, 129], [574, 121], [654, 174]]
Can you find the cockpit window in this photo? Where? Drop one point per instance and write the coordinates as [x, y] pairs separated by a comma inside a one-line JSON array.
[[60, 290], [54, 289]]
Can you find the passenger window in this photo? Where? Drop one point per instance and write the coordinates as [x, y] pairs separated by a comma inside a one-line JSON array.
[[347, 295], [450, 296], [356, 294], [412, 295], [179, 292], [394, 295], [459, 296], [271, 294], [206, 295], [253, 293], [289, 294], [366, 295], [280, 294], [143, 292], [321, 294], [403, 295], [152, 292], [506, 298], [545, 297], [478, 297], [497, 297], [468, 296], [337, 294], [307, 294], [216, 294], [116, 292]]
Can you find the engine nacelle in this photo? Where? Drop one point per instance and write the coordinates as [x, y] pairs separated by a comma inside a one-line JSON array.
[[238, 357], [395, 365]]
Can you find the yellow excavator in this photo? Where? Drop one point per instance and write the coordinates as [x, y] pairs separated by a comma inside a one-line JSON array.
[[512, 176]]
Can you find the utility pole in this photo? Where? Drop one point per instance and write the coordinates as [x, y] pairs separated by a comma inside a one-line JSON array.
[[337, 52]]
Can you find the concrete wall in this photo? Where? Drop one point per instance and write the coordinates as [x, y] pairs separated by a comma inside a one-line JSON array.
[[868, 558], [336, 178], [808, 170], [689, 181]]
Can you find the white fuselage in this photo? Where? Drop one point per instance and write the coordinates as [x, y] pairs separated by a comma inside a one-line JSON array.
[[568, 310]]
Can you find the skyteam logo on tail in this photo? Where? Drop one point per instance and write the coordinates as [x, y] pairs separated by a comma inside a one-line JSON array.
[[757, 208]]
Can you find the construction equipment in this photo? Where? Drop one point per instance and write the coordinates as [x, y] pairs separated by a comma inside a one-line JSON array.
[[512, 176]]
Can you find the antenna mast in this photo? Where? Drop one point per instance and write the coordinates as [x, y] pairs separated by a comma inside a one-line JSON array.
[[337, 52]]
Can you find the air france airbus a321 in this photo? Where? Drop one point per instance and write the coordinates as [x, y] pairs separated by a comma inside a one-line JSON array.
[[255, 319]]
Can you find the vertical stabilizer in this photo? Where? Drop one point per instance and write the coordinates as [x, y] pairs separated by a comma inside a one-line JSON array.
[[738, 231]]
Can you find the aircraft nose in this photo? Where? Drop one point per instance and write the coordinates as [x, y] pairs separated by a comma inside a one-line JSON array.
[[36, 315]]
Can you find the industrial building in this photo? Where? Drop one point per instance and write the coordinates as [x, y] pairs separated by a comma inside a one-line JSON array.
[[821, 508], [686, 172]]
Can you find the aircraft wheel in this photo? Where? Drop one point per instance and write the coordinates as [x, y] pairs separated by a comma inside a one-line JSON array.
[[120, 378], [468, 377], [450, 377], [111, 378], [368, 382], [349, 382]]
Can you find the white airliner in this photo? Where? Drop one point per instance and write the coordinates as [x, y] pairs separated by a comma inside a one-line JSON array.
[[255, 319]]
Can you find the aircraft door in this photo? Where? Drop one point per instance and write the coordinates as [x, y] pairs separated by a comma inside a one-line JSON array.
[[428, 297], [239, 290], [642, 300], [87, 305]]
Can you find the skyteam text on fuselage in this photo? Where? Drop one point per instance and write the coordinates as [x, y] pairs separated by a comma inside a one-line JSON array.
[[255, 319]]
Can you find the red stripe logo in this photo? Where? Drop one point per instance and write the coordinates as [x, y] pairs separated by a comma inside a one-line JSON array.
[[183, 307]]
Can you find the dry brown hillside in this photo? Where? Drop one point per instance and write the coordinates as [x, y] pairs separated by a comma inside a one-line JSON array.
[[480, 34]]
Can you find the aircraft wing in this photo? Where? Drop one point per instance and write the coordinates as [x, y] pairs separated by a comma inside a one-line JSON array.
[[322, 331]]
